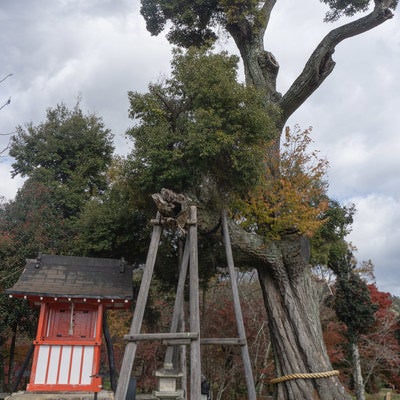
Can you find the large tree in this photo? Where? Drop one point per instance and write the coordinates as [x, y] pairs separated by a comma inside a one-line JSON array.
[[283, 264], [354, 308], [65, 160], [69, 154]]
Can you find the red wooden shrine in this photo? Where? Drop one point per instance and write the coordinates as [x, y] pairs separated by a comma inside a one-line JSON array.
[[72, 293], [67, 348]]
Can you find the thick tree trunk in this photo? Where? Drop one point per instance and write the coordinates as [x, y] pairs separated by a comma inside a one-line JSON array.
[[295, 330], [292, 306], [293, 314]]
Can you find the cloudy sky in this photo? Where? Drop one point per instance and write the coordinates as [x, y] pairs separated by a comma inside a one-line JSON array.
[[60, 50]]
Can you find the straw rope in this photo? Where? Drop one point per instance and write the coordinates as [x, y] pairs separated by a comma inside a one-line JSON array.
[[313, 375]]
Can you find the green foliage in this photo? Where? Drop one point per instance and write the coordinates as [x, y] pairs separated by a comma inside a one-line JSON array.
[[352, 301], [328, 243], [348, 7], [65, 159], [110, 228], [31, 223], [191, 20], [211, 255], [68, 153], [353, 305], [200, 126], [22, 316], [15, 315], [194, 22], [111, 225], [378, 346]]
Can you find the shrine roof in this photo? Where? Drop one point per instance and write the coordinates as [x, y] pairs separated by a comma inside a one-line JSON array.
[[67, 276]]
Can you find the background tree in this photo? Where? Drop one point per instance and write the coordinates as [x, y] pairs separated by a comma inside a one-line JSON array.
[[222, 365], [113, 224], [352, 302], [282, 265], [355, 309], [379, 347], [65, 160], [353, 312], [68, 153]]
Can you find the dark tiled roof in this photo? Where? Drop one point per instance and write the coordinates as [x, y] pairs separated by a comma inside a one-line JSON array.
[[65, 276]]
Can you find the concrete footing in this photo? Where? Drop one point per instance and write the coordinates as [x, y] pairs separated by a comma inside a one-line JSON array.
[[102, 395]]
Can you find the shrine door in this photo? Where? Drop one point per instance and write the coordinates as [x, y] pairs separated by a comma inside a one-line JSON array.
[[67, 348]]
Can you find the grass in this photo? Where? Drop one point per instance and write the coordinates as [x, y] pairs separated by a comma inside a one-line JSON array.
[[381, 395]]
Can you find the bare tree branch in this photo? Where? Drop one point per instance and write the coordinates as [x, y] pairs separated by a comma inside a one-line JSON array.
[[3, 79], [6, 103], [266, 10], [320, 64], [9, 99], [5, 149]]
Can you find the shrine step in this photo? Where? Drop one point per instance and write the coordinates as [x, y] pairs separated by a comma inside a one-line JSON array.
[[22, 395]]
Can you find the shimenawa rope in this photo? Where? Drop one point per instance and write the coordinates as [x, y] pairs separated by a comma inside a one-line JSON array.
[[313, 375]]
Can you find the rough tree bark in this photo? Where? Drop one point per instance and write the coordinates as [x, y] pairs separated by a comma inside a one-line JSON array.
[[293, 314]]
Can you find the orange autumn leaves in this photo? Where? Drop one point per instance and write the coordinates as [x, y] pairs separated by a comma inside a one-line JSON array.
[[291, 196]]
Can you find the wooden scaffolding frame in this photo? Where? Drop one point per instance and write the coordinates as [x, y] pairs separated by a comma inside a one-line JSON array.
[[191, 338]]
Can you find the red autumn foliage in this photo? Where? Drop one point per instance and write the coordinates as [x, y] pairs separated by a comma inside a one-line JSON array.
[[379, 348]]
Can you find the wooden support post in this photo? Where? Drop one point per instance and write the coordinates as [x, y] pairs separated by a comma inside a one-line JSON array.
[[178, 306], [130, 349], [223, 341], [183, 358], [195, 354], [161, 336], [189, 259], [251, 391]]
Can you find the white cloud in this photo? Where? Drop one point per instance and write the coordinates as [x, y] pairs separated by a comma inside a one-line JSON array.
[[60, 50], [100, 49], [8, 187], [376, 234]]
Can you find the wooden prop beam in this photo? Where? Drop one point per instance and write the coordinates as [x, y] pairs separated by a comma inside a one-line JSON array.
[[178, 305], [251, 391], [130, 349], [194, 318]]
